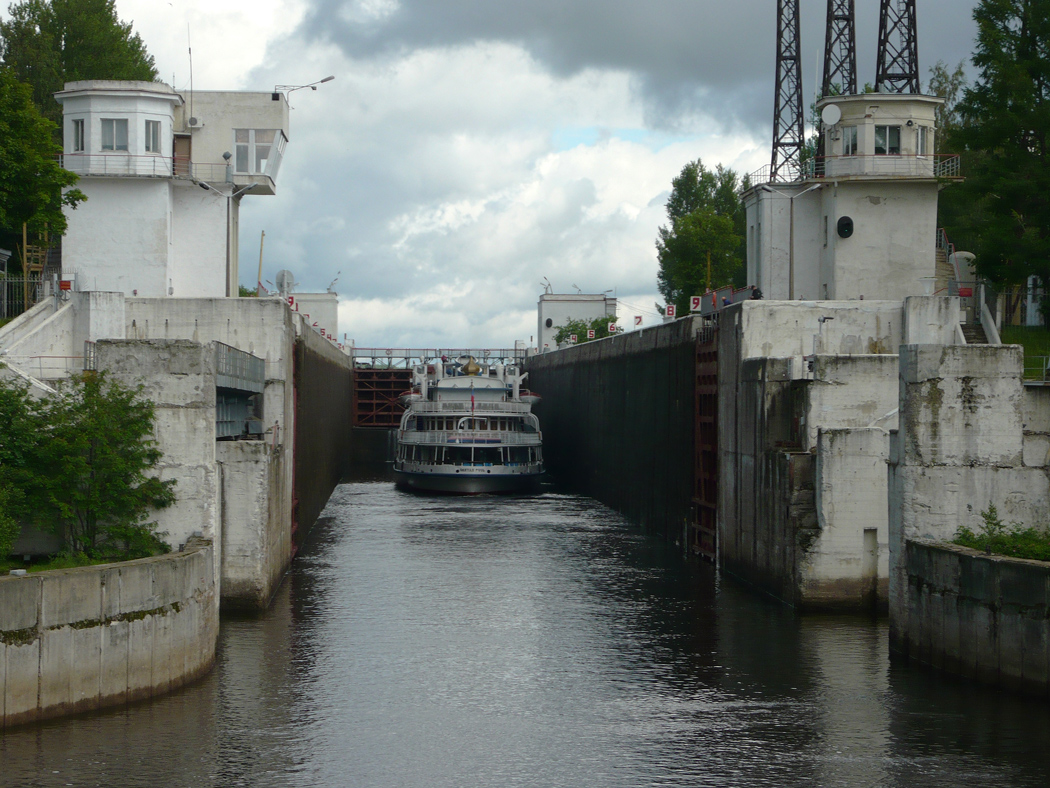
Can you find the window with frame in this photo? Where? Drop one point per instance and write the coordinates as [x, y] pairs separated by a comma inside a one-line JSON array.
[[922, 140], [257, 151], [887, 140], [114, 134], [849, 140], [153, 136], [78, 136]]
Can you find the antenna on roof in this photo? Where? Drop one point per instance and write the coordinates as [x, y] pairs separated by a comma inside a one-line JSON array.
[[788, 128], [189, 48]]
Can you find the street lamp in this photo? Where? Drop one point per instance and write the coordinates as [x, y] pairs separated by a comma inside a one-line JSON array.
[[293, 88]]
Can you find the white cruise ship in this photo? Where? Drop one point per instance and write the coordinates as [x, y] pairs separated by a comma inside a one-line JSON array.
[[468, 428]]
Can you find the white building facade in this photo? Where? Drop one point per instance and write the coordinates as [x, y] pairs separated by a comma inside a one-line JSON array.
[[164, 174], [863, 222], [554, 311]]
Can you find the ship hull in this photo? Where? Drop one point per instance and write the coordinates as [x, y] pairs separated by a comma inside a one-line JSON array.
[[467, 484]]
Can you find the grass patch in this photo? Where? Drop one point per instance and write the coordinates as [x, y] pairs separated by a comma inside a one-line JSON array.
[[55, 562], [1036, 343], [995, 537]]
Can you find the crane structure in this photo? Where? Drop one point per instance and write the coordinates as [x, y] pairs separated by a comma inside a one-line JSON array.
[[840, 50], [897, 70], [788, 128]]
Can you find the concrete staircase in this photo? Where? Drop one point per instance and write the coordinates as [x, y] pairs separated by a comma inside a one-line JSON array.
[[943, 272], [974, 333]]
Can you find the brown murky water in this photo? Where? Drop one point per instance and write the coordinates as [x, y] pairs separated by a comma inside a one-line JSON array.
[[536, 642]]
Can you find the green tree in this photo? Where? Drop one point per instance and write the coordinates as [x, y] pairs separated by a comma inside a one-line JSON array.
[[1005, 123], [19, 441], [706, 216], [949, 85], [82, 459], [47, 43], [33, 187], [600, 326]]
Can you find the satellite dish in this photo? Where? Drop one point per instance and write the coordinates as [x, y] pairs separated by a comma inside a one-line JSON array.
[[285, 281], [831, 114]]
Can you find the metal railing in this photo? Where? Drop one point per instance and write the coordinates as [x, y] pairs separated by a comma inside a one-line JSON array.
[[409, 357], [147, 166], [13, 291], [464, 406], [237, 370], [477, 438], [884, 165], [971, 295], [1037, 369]]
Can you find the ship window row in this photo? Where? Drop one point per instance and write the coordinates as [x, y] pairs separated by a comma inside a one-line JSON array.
[[471, 455], [451, 423]]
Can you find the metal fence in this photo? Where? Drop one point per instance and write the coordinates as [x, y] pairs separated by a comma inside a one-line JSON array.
[[148, 166], [13, 292], [237, 370], [1037, 369], [406, 358]]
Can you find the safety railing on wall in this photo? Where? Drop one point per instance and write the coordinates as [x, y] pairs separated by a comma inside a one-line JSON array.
[[237, 370], [143, 166], [884, 165], [17, 295], [408, 357], [1037, 369], [477, 438]]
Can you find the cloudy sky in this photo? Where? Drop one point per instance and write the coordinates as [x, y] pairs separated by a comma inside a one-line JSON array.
[[468, 148]]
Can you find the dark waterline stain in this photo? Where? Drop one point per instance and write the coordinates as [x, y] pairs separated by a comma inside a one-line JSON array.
[[539, 642]]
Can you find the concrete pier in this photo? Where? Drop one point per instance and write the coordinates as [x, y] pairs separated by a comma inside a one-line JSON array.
[[74, 640]]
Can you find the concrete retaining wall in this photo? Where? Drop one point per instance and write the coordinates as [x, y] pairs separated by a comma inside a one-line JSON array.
[[178, 376], [617, 421], [324, 388], [266, 328], [80, 639], [960, 447], [980, 616], [802, 442], [254, 535]]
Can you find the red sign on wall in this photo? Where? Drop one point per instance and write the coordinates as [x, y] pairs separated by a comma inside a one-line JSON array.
[[590, 333], [670, 310]]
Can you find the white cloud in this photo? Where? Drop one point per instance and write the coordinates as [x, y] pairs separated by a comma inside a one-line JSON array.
[[435, 181], [465, 150]]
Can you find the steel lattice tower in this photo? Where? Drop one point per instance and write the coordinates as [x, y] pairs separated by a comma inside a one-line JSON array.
[[788, 131], [898, 66], [840, 50]]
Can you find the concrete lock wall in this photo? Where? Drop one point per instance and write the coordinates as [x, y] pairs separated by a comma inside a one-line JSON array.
[[960, 447], [801, 436], [258, 533], [617, 421], [324, 409], [178, 376], [255, 538], [79, 639], [980, 616]]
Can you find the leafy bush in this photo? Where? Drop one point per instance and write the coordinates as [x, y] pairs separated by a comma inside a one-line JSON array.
[[600, 325], [995, 537], [79, 464]]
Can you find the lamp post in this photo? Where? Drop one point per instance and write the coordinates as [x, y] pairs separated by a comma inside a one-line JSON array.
[[289, 89]]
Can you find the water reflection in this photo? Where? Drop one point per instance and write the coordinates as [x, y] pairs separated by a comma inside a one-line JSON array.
[[535, 642]]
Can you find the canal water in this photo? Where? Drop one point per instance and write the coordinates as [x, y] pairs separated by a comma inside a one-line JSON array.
[[536, 642]]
